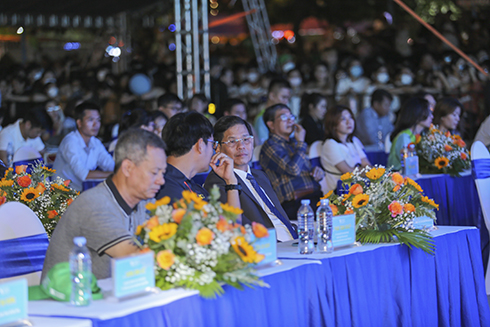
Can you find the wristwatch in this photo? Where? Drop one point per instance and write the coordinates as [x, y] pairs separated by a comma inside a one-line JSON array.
[[229, 187]]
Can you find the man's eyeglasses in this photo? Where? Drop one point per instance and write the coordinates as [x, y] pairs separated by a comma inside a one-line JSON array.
[[214, 143], [285, 117], [247, 140]]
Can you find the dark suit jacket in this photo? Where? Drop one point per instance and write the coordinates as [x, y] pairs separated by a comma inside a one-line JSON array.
[[252, 211]]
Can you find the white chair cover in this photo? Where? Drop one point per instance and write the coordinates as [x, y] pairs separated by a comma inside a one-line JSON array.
[[16, 221], [26, 153], [315, 149], [479, 151], [256, 154]]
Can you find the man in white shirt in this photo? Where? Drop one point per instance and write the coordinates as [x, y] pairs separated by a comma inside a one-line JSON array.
[[24, 132], [81, 153], [257, 197]]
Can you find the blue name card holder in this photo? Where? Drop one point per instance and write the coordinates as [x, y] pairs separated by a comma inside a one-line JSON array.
[[13, 304], [344, 231], [268, 247], [133, 276], [412, 166], [424, 223]]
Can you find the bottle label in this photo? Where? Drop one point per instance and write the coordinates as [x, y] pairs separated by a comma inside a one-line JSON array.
[[344, 230], [133, 275]]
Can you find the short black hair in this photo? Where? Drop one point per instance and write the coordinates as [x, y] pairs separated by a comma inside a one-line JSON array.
[[230, 103], [270, 112], [133, 118], [277, 84], [183, 130], [167, 98], [226, 122], [86, 105], [379, 95], [38, 118]]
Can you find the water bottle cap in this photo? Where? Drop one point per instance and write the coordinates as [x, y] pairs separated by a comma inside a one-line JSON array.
[[80, 241], [305, 202], [324, 202]]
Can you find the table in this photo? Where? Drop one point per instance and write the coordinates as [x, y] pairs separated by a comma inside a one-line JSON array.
[[59, 322], [458, 201], [373, 285]]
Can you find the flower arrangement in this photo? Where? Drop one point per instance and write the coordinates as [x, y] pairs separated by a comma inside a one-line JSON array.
[[198, 244], [385, 205], [48, 199], [442, 153]]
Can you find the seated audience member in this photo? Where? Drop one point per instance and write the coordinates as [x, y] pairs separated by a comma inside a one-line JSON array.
[[200, 104], [279, 93], [191, 150], [258, 200], [313, 109], [235, 107], [341, 151], [447, 114], [138, 118], [286, 162], [80, 153], [159, 121], [108, 214], [483, 134], [24, 132], [373, 123], [415, 115], [170, 104]]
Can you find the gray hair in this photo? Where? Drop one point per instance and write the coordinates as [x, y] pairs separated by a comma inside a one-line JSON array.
[[132, 145]]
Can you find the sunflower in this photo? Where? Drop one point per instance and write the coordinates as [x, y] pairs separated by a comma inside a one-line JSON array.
[[59, 187], [163, 232], [29, 194], [430, 201], [231, 209], [375, 173], [246, 251], [441, 162], [6, 182], [189, 197], [413, 183], [46, 169], [360, 200], [346, 177]]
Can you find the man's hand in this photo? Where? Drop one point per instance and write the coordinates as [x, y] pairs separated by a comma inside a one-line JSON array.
[[225, 168], [317, 173], [299, 133]]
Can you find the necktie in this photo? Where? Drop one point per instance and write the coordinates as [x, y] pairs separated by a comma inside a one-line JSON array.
[[271, 206]]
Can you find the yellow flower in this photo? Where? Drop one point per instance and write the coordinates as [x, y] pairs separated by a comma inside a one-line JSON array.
[[163, 201], [189, 197], [204, 236], [413, 183], [326, 196], [360, 200], [29, 194], [246, 251], [59, 187], [441, 162], [375, 173], [346, 177], [165, 259], [5, 182], [139, 229], [430, 201], [231, 209], [163, 232], [48, 170]]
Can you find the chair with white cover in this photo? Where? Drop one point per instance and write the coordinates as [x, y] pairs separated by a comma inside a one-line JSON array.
[[388, 143], [28, 156], [255, 158], [23, 243], [315, 150], [480, 162]]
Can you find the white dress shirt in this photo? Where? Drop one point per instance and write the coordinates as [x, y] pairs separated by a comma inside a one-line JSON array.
[[12, 134], [282, 231], [75, 159]]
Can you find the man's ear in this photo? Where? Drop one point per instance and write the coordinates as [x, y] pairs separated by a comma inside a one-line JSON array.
[[126, 167], [270, 124], [79, 124], [199, 146]]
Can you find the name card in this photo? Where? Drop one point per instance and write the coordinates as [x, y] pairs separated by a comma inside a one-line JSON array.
[[13, 301], [423, 223], [133, 275], [344, 230], [266, 246], [412, 166]]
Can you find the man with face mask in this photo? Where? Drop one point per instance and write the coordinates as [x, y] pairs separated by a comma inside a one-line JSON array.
[[353, 85]]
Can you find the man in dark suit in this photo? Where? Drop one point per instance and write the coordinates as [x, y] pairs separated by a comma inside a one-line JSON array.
[[258, 200]]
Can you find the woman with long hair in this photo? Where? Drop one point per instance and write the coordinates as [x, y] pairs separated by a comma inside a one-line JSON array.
[[447, 115], [313, 109], [415, 115], [342, 151]]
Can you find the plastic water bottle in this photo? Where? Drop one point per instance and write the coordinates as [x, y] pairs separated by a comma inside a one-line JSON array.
[[81, 273], [10, 154], [403, 157], [324, 227], [306, 231]]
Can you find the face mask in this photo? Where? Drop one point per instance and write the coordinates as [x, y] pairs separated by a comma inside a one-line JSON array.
[[406, 79], [295, 81], [53, 92], [253, 77], [356, 71], [383, 78]]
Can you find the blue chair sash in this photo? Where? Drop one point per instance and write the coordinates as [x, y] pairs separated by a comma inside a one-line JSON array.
[[480, 168], [23, 255]]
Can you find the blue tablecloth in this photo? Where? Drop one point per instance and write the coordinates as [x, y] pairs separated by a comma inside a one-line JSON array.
[[377, 157], [373, 285], [459, 204]]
